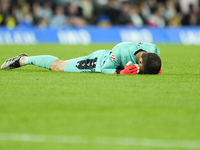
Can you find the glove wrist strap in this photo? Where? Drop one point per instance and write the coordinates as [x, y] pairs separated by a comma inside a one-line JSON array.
[[118, 71]]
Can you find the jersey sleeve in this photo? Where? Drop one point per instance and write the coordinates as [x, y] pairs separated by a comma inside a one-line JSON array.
[[113, 61]]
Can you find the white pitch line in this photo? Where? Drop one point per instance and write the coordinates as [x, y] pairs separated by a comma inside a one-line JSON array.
[[101, 140]]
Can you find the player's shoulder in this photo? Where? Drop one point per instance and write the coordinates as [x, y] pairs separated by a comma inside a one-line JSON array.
[[139, 45], [148, 47]]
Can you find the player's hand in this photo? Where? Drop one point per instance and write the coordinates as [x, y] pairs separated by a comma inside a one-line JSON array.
[[130, 69], [160, 70]]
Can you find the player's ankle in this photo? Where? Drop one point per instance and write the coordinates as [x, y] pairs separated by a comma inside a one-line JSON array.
[[23, 61]]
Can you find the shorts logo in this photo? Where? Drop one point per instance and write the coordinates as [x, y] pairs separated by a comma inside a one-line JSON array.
[[113, 57], [87, 64]]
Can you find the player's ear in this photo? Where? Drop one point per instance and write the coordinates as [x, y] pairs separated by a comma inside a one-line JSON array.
[[140, 61]]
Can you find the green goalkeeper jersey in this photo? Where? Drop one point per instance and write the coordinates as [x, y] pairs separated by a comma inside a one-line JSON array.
[[107, 61]]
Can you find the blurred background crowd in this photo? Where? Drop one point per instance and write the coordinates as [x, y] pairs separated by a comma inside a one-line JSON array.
[[61, 13]]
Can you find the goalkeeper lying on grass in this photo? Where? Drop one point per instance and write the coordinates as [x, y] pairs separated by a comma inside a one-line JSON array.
[[124, 58]]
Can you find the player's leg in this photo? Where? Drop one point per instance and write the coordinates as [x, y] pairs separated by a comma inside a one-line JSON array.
[[82, 64], [45, 61]]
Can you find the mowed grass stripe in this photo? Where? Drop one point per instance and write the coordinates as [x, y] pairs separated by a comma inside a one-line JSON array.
[[101, 140]]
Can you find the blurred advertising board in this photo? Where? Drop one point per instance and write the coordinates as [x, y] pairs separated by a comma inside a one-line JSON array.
[[99, 35]]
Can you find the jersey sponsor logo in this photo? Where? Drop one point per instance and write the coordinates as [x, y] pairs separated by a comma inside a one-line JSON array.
[[113, 57]]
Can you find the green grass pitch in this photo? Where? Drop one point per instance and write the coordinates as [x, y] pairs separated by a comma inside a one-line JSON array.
[[91, 106]]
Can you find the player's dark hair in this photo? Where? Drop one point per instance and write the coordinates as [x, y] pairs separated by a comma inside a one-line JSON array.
[[151, 63]]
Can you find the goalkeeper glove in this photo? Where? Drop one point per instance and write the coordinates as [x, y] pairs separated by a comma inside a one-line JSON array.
[[160, 71], [130, 69]]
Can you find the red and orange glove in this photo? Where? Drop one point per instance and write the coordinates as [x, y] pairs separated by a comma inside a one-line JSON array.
[[130, 69]]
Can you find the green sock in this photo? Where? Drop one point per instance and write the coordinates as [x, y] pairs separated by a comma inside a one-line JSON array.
[[44, 61]]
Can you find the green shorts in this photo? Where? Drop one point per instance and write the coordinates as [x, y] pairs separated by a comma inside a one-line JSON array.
[[90, 63]]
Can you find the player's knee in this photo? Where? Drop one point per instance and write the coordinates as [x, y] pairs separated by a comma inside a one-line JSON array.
[[58, 65]]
